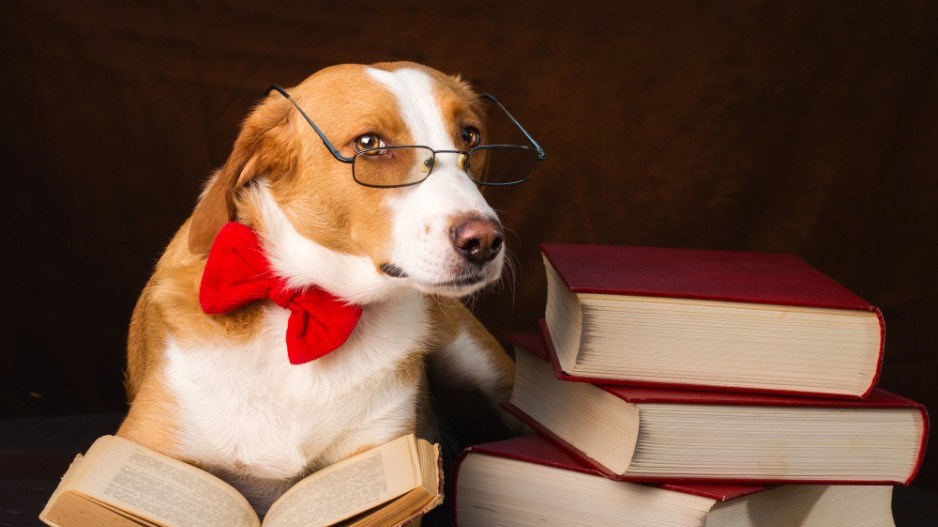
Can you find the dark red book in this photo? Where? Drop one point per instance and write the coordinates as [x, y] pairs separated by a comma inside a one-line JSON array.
[[648, 434], [723, 320], [529, 481]]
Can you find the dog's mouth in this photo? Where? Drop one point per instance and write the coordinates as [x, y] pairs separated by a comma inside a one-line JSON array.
[[392, 270], [465, 280]]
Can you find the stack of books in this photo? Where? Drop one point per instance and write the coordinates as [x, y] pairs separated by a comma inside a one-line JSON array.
[[686, 387]]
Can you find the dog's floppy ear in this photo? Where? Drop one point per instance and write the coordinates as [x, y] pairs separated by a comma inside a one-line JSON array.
[[216, 205]]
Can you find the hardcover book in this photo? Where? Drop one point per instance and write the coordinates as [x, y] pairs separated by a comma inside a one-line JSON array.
[[529, 481], [709, 319], [646, 434]]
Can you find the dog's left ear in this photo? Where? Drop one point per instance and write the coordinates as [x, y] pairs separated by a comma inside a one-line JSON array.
[[253, 155], [216, 206]]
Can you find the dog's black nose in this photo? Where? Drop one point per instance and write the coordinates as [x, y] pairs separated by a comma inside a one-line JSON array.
[[478, 239]]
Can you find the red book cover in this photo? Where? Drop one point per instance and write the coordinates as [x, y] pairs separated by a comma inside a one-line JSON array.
[[762, 278], [749, 277], [878, 398]]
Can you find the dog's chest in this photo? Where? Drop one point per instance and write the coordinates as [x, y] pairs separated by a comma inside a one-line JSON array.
[[247, 411]]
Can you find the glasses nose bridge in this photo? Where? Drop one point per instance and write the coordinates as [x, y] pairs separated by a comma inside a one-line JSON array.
[[461, 156]]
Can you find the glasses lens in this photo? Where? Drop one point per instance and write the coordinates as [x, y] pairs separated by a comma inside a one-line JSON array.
[[393, 166], [501, 164]]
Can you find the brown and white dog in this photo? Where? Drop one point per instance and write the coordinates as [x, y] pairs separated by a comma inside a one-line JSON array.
[[218, 390]]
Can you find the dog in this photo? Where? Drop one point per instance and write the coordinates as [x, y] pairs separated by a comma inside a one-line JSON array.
[[216, 389]]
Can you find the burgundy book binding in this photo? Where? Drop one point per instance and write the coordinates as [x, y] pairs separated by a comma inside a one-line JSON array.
[[878, 398], [727, 276], [508, 493], [763, 278]]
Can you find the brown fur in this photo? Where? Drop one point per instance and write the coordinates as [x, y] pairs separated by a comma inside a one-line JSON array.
[[323, 202]]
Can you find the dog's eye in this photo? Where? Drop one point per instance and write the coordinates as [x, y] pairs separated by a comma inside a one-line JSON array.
[[369, 144], [471, 136]]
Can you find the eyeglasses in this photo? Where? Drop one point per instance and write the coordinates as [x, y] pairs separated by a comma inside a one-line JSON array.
[[403, 166]]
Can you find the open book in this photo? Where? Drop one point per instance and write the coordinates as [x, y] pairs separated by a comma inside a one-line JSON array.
[[121, 483]]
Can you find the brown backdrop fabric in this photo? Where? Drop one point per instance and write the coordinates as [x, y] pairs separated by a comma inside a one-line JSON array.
[[802, 127]]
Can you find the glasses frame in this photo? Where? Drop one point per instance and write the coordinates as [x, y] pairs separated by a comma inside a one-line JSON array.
[[541, 155]]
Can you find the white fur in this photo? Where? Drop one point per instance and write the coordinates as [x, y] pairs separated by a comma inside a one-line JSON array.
[[413, 90], [423, 214], [464, 360], [305, 263]]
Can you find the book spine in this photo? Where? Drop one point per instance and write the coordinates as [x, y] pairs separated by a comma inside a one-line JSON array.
[[452, 486]]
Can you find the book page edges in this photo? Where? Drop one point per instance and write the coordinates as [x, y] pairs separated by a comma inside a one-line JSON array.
[[878, 367], [564, 444], [564, 313], [67, 479], [432, 466], [539, 393], [777, 325], [920, 458], [75, 509], [682, 480], [717, 492], [416, 502], [568, 346], [549, 353]]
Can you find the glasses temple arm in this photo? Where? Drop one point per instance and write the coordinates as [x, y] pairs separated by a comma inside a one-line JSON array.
[[332, 149], [541, 155]]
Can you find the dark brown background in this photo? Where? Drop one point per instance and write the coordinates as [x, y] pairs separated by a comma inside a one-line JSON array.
[[805, 127]]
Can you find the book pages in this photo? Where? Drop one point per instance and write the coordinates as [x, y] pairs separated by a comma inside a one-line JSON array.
[[67, 479], [120, 473], [349, 487], [564, 315], [544, 398], [502, 492], [808, 506]]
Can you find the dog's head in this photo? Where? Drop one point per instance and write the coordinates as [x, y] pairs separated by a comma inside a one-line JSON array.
[[322, 226]]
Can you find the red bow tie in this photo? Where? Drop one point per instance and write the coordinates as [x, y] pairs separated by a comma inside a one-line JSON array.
[[237, 273]]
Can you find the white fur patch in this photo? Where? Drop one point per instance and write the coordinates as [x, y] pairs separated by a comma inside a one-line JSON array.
[[305, 263], [423, 214], [419, 109], [250, 415], [464, 361]]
